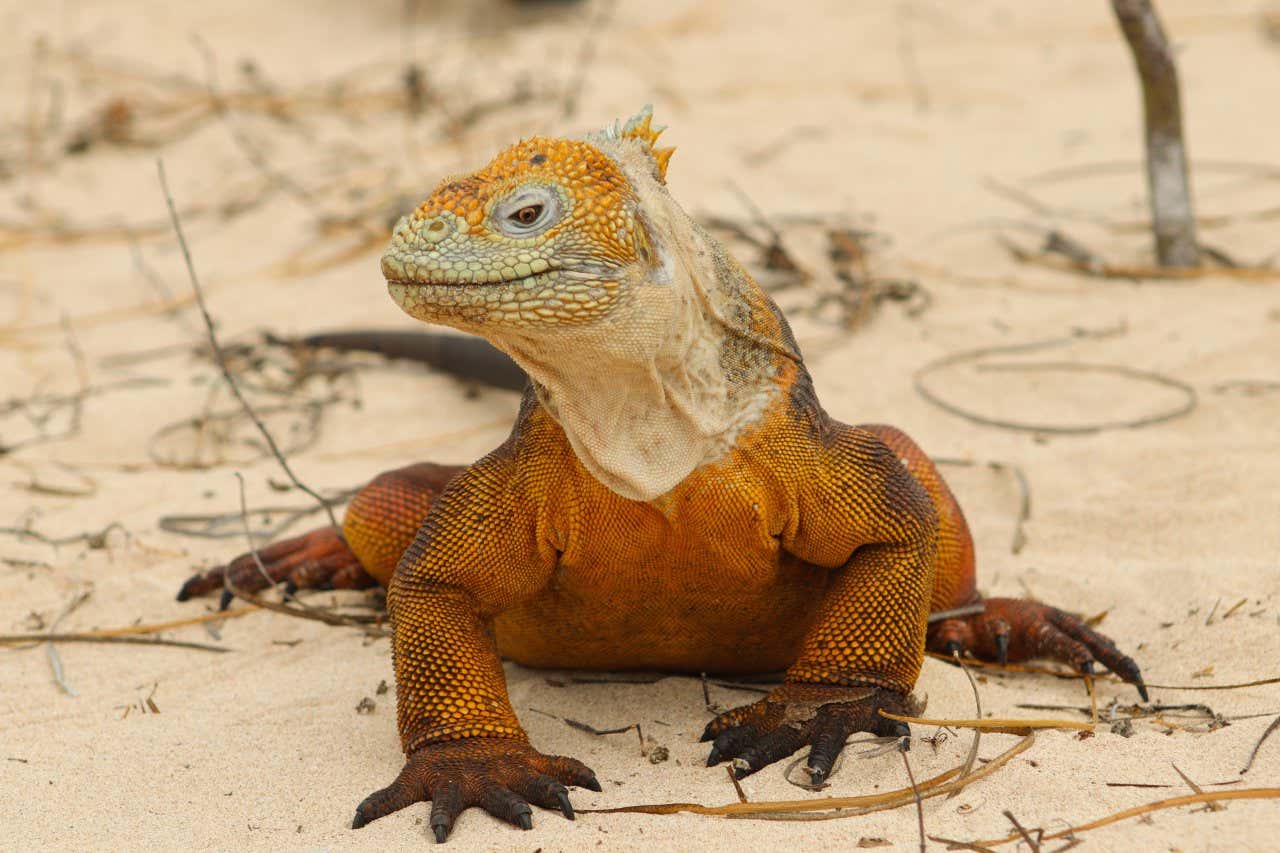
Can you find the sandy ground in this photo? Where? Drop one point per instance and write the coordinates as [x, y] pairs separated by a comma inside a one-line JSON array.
[[892, 116]]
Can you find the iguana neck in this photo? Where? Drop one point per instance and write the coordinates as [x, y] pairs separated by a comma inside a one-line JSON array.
[[672, 376]]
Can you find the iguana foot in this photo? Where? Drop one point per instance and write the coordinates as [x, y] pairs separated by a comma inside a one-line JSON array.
[[795, 715], [1014, 629], [316, 560], [501, 776]]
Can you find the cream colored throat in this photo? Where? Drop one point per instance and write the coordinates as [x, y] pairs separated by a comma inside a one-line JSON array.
[[644, 398]]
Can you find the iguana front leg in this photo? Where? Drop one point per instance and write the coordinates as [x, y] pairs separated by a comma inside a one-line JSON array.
[[478, 553], [861, 511]]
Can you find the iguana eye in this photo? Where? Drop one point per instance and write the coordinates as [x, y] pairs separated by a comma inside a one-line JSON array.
[[527, 212], [527, 215]]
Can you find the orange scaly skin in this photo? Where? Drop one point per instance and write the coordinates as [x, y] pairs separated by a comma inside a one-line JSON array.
[[802, 544]]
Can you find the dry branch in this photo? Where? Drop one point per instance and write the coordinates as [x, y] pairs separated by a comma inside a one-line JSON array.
[[97, 637], [1275, 724], [1167, 171], [1136, 811], [1177, 410], [828, 808], [221, 357]]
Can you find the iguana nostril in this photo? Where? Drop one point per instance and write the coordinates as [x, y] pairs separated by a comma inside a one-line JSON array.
[[436, 230]]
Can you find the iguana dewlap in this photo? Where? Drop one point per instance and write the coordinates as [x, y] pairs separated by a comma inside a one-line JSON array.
[[672, 496]]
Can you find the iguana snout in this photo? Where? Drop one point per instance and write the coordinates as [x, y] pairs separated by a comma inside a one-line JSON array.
[[541, 236]]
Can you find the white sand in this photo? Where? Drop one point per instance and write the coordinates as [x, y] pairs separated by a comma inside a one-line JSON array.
[[263, 748]]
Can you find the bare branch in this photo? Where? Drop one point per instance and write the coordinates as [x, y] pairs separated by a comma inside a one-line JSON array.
[[1167, 171], [221, 358]]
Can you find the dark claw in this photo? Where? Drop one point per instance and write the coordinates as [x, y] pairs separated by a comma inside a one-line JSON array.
[[1142, 690], [770, 747], [1002, 648], [892, 728], [828, 741], [729, 744], [1086, 667], [446, 803], [565, 806], [524, 820], [225, 601], [953, 648], [290, 589], [592, 784], [185, 592]]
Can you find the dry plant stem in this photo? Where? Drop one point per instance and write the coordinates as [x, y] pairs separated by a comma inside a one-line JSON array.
[[935, 787], [1139, 273], [828, 808], [96, 539], [1261, 682], [1158, 805], [956, 844], [154, 627], [313, 613], [1213, 807], [300, 610], [995, 724], [97, 637], [915, 792], [1275, 724], [972, 757], [954, 612], [1167, 171], [1012, 667], [1188, 404], [211, 525], [737, 786], [1031, 842], [55, 662], [221, 357]]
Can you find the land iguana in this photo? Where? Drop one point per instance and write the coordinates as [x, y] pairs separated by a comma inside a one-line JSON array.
[[671, 497]]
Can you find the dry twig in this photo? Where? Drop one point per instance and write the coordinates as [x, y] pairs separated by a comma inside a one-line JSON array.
[[1137, 811], [1167, 171], [1185, 407], [98, 637], [1275, 724], [829, 808], [915, 791], [220, 356]]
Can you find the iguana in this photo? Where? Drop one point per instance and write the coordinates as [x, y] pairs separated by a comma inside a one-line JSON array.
[[671, 497]]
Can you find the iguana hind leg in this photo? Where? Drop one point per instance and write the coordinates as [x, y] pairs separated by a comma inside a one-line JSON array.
[[1015, 629], [378, 526], [319, 559], [1008, 629]]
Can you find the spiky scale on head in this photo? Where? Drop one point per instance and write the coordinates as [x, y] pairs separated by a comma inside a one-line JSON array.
[[640, 128]]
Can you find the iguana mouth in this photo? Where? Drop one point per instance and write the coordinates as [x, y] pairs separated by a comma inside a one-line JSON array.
[[528, 280], [410, 268]]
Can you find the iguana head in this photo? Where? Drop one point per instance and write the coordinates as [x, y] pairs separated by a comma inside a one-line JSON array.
[[645, 341], [544, 235]]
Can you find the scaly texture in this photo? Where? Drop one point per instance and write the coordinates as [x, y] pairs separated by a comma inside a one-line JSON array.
[[672, 495]]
